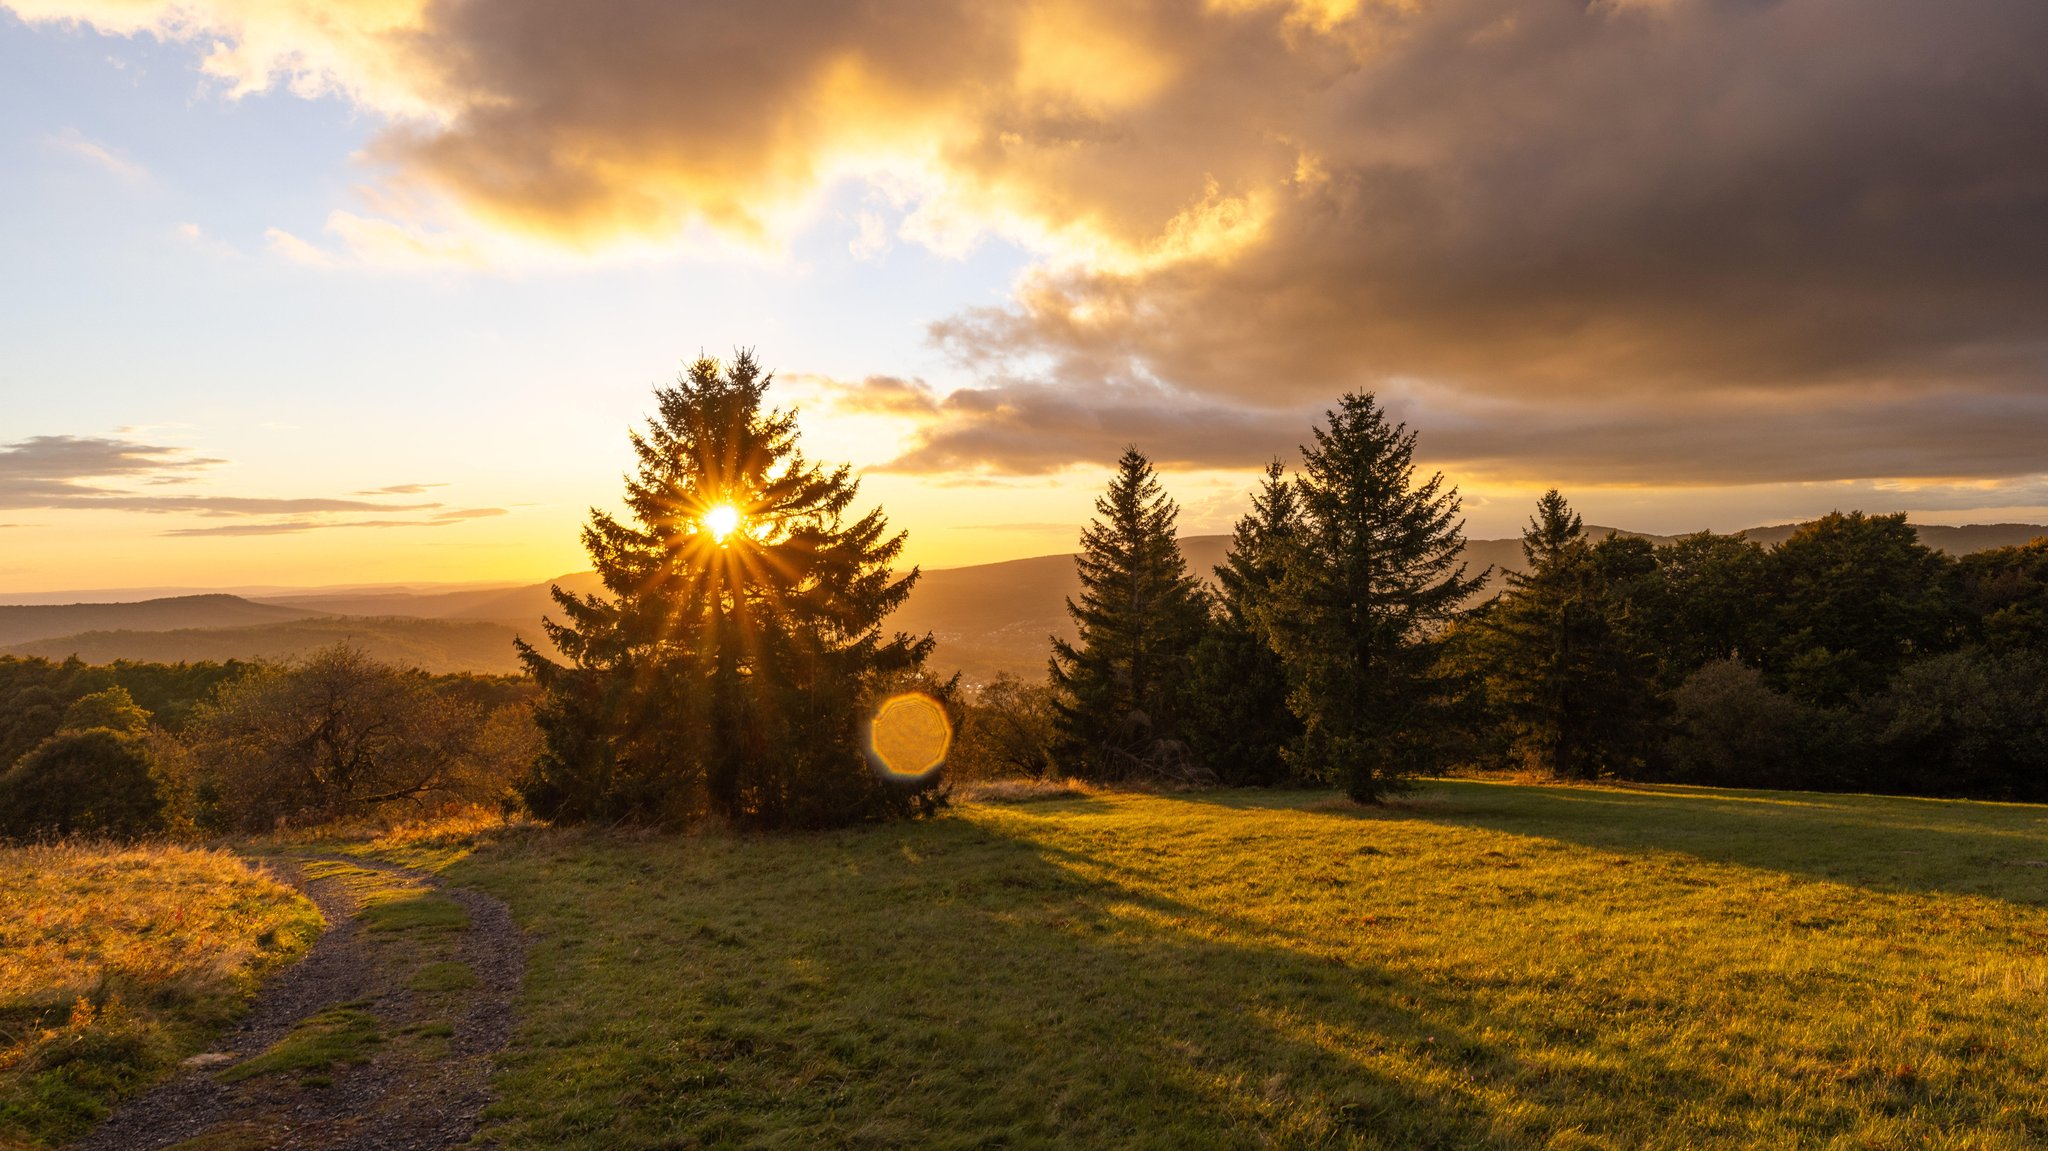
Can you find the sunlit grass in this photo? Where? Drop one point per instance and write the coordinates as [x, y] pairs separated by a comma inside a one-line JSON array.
[[1487, 966], [117, 961]]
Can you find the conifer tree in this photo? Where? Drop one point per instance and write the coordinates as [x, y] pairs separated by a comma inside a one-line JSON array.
[[1238, 722], [1139, 618], [728, 665], [1363, 596], [1575, 689]]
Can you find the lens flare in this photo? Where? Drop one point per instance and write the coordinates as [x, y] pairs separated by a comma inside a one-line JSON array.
[[722, 521], [909, 736]]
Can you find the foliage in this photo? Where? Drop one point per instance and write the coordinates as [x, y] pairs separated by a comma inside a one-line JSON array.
[[1372, 577], [1970, 722], [1731, 729], [1237, 717], [1854, 598], [1007, 731], [1703, 604], [2005, 594], [1116, 707], [1570, 681], [1480, 966], [333, 736], [727, 668], [95, 776]]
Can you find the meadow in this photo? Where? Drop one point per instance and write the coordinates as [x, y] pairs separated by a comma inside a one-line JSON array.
[[1481, 965], [116, 962], [1478, 965]]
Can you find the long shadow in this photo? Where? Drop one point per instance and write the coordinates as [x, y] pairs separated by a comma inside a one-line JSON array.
[[1880, 843], [963, 984]]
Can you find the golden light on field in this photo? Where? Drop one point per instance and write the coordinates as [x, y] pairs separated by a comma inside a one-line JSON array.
[[722, 521], [909, 736]]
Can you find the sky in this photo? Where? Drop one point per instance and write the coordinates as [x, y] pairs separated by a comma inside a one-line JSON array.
[[325, 292]]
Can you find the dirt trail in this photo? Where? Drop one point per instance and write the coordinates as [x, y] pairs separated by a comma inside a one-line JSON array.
[[436, 993]]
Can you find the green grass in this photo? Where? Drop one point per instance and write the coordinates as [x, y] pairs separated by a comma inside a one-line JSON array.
[[446, 976], [414, 913], [336, 1036], [1485, 966]]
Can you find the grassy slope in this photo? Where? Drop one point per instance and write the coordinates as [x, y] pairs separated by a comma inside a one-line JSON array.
[[1488, 966], [115, 962]]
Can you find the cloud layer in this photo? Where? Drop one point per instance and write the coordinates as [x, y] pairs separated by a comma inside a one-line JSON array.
[[1725, 241], [100, 473]]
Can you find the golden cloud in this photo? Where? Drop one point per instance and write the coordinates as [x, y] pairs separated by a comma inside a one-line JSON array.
[[1252, 204]]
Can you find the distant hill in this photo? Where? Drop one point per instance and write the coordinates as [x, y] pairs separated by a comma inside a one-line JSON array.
[[437, 646], [21, 624], [511, 602], [987, 618]]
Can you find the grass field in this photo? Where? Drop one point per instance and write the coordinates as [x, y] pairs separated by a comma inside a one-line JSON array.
[[117, 961], [1484, 966]]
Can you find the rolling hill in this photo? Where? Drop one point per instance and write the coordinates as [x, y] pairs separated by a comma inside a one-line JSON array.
[[23, 623], [436, 646], [987, 618]]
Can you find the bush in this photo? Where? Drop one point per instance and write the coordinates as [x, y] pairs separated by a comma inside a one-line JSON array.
[[1005, 733], [1732, 730], [91, 782], [334, 736], [94, 776]]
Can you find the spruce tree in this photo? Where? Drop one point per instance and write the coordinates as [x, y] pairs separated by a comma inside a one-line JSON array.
[[1576, 690], [1238, 722], [1365, 590], [728, 666], [1139, 618]]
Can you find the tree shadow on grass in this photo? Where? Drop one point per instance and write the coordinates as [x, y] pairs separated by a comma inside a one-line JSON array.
[[959, 985], [1881, 843]]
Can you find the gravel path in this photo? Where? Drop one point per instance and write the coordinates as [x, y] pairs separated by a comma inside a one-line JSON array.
[[427, 1082]]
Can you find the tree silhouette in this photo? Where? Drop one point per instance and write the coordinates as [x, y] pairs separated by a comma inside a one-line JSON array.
[[1367, 585], [729, 665], [1576, 690], [1139, 617], [1237, 716]]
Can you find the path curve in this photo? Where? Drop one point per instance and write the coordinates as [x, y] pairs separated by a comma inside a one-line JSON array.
[[399, 1100]]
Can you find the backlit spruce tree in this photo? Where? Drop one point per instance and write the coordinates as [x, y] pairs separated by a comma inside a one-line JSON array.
[[730, 664], [1140, 614], [1372, 576], [1237, 717]]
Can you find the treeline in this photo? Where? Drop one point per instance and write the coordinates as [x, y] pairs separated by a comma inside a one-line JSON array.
[[133, 749], [1335, 647]]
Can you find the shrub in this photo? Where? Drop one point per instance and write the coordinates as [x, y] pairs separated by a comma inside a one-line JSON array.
[[1732, 730]]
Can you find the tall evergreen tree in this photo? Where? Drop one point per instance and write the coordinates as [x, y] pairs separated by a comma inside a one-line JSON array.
[[727, 667], [1238, 722], [1362, 599], [1139, 618], [1576, 691]]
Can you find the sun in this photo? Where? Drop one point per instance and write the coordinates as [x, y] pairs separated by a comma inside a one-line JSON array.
[[722, 521]]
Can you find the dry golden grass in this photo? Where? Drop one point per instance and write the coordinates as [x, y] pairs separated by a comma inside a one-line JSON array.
[[116, 961]]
